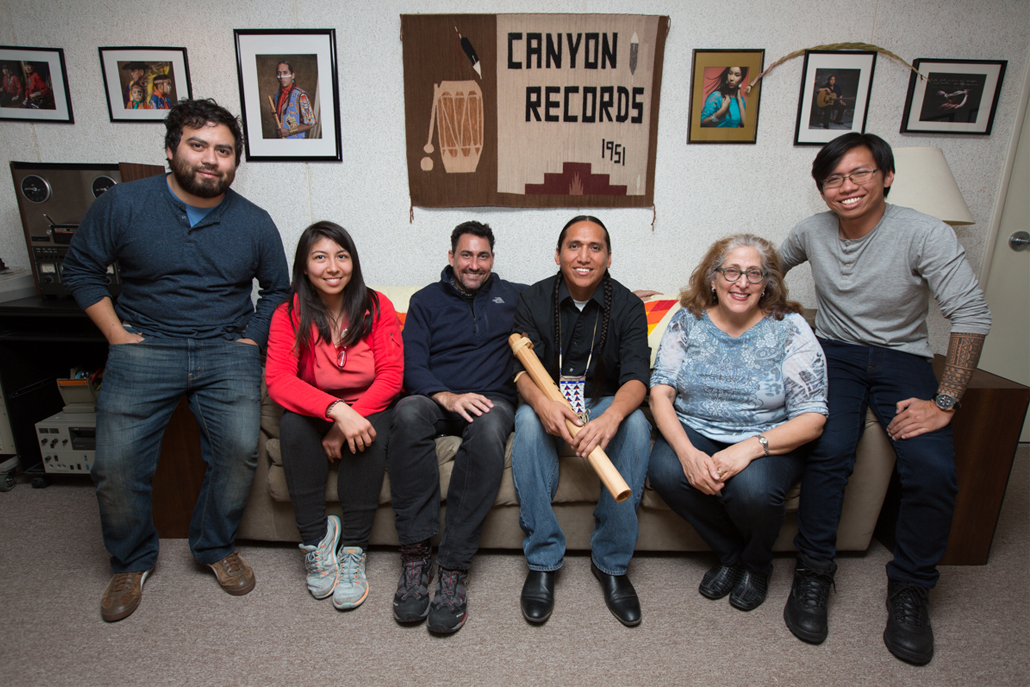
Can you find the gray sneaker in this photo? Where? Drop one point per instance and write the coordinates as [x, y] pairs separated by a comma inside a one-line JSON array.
[[352, 588], [320, 561]]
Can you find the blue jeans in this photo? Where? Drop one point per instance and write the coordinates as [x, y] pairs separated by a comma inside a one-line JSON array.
[[742, 522], [475, 477], [143, 383], [878, 378], [534, 467]]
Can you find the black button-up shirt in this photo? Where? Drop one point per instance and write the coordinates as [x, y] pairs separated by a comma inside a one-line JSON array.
[[626, 353]]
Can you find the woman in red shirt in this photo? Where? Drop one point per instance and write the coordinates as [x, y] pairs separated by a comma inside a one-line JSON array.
[[335, 364]]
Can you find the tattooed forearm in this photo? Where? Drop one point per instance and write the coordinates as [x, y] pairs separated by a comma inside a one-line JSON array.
[[963, 355]]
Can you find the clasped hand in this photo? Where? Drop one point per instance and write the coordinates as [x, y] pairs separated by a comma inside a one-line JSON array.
[[709, 473], [353, 429], [597, 432]]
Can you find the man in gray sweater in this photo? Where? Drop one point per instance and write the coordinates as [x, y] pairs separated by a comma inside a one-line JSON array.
[[875, 267]]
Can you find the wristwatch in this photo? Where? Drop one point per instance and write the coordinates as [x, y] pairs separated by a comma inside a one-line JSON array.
[[765, 444], [946, 402]]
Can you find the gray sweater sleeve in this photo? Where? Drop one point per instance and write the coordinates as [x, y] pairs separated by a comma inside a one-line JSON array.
[[792, 251], [941, 260]]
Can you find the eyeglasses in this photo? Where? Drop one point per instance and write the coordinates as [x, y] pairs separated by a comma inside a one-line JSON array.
[[858, 178], [732, 274]]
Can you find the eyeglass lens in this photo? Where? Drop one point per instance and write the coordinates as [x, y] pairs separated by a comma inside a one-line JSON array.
[[859, 177], [732, 274]]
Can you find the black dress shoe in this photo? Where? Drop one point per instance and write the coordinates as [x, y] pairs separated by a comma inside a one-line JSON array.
[[909, 635], [538, 596], [720, 580], [750, 591], [619, 596]]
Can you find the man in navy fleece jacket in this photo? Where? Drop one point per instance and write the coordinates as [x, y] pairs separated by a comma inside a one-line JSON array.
[[458, 370]]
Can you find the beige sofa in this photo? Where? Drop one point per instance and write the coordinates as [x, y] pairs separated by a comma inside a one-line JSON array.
[[269, 515]]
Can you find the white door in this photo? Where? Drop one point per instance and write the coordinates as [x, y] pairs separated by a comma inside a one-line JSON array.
[[1007, 348]]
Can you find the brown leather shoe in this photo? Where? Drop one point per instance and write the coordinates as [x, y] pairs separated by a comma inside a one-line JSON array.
[[234, 575], [123, 594]]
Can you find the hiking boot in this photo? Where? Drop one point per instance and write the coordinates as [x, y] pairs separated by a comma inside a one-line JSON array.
[[234, 575], [320, 561], [411, 602], [908, 634], [352, 589], [805, 612], [449, 608], [123, 595]]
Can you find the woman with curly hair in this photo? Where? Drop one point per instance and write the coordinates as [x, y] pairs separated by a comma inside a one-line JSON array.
[[739, 387]]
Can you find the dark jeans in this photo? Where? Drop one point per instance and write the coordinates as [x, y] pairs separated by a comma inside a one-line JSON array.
[[359, 477], [143, 383], [475, 479], [742, 522], [878, 378]]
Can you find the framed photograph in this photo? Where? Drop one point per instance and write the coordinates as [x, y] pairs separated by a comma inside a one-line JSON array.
[[142, 84], [288, 94], [35, 86], [835, 86], [956, 97], [723, 103]]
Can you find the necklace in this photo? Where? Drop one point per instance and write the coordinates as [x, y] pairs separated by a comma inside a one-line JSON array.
[[341, 350], [573, 386]]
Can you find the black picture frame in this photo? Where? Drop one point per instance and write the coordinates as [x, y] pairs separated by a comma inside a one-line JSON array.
[[952, 98], [53, 102], [170, 65], [825, 108], [312, 100]]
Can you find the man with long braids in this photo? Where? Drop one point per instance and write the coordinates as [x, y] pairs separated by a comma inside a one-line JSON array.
[[590, 333]]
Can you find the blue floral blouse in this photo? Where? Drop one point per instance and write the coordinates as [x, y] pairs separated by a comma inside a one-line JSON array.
[[729, 389]]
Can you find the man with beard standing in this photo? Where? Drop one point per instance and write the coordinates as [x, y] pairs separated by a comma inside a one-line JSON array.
[[188, 250]]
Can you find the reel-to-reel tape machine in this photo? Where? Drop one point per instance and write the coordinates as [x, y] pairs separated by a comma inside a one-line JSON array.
[[53, 198]]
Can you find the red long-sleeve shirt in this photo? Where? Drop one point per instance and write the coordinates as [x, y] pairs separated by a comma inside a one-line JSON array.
[[298, 382]]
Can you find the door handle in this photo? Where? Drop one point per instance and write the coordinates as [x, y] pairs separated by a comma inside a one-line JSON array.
[[1019, 241]]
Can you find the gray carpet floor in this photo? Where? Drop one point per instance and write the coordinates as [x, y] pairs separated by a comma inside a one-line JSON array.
[[188, 632]]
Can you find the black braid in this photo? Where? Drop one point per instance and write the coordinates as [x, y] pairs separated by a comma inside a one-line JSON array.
[[598, 378], [557, 323]]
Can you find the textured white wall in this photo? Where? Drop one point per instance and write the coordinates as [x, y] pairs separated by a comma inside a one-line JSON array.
[[702, 191]]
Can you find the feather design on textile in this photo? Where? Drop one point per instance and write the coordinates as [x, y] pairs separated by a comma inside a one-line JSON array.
[[466, 46]]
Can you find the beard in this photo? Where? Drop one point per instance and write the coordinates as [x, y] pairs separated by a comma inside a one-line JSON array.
[[465, 280], [202, 188]]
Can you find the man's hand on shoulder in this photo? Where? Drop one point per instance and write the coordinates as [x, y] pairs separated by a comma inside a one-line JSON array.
[[463, 404], [916, 416], [245, 340]]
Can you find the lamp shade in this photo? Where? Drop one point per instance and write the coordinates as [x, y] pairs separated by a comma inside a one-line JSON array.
[[923, 182]]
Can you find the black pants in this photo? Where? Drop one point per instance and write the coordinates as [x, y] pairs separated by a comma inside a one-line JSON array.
[[359, 477], [415, 474]]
